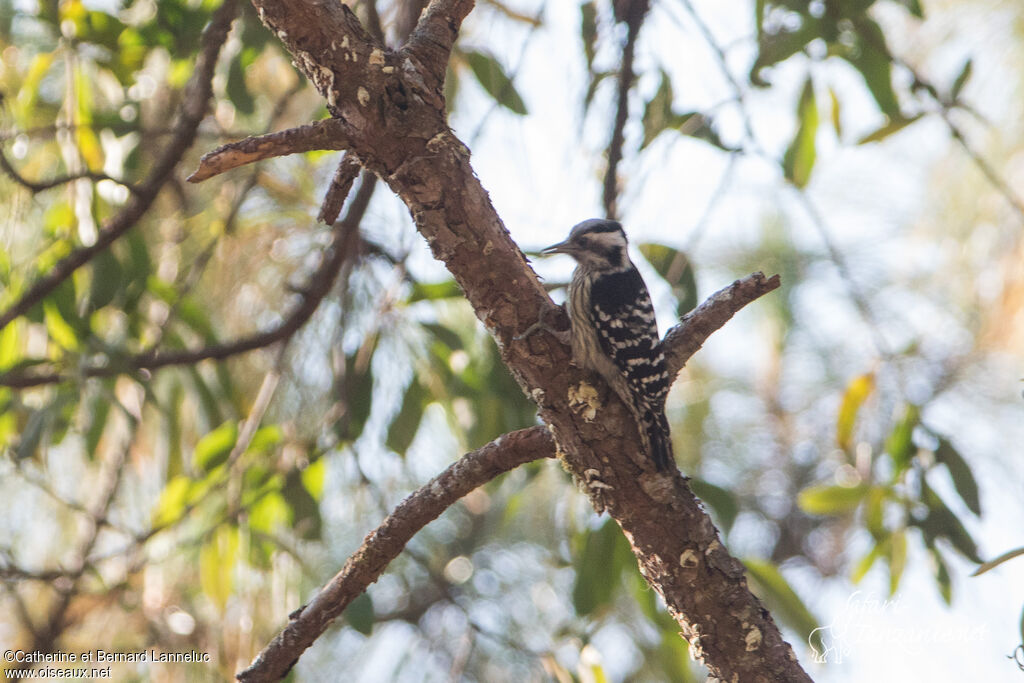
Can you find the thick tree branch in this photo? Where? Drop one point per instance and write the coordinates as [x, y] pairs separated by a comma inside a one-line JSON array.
[[196, 99], [384, 543], [395, 108], [326, 134]]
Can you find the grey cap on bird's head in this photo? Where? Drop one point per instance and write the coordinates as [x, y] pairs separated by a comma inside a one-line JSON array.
[[589, 226]]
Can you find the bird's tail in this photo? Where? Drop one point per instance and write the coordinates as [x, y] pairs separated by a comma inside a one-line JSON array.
[[654, 428]]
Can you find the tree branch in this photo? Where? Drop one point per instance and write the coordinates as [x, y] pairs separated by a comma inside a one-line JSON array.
[[686, 338], [632, 13], [325, 134], [384, 543], [399, 131], [196, 99]]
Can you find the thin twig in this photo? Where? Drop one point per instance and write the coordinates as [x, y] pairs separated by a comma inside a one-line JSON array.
[[634, 19]]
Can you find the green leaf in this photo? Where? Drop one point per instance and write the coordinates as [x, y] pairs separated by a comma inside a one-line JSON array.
[[236, 89], [106, 279], [782, 600], [492, 77], [830, 499], [599, 568], [798, 160], [940, 522], [313, 477], [435, 291], [963, 479], [305, 511], [870, 56], [675, 268], [900, 443], [897, 547], [914, 7], [270, 513], [173, 503], [894, 125], [961, 79], [217, 560], [857, 391], [588, 31], [835, 111], [359, 613], [658, 112], [779, 46], [358, 391], [406, 423], [722, 501], [214, 448], [865, 563], [62, 334], [941, 572], [99, 409]]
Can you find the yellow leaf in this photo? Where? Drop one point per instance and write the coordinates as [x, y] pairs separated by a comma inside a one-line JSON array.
[[857, 392]]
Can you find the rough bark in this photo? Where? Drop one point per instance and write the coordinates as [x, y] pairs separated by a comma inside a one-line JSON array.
[[390, 106]]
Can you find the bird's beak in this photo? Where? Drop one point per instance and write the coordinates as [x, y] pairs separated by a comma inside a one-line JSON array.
[[560, 248]]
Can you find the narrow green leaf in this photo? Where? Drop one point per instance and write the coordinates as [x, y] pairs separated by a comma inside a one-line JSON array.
[[62, 334], [780, 45], [588, 31], [271, 513], [900, 443], [213, 449], [359, 614], [305, 511], [493, 79], [106, 279], [831, 499], [870, 56], [313, 477], [406, 423], [857, 391], [173, 502], [837, 121], [914, 7], [435, 291], [961, 79], [782, 600], [236, 89], [676, 269], [798, 161], [894, 125], [358, 391], [940, 522], [598, 568], [217, 560], [865, 563], [722, 501], [658, 112], [941, 572], [897, 547], [99, 409], [963, 479]]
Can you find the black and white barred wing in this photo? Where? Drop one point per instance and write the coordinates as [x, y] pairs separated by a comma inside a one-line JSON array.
[[628, 333]]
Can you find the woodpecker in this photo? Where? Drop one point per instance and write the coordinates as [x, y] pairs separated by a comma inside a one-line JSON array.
[[614, 332]]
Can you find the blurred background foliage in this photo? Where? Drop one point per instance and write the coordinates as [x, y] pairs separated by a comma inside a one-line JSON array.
[[835, 434]]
